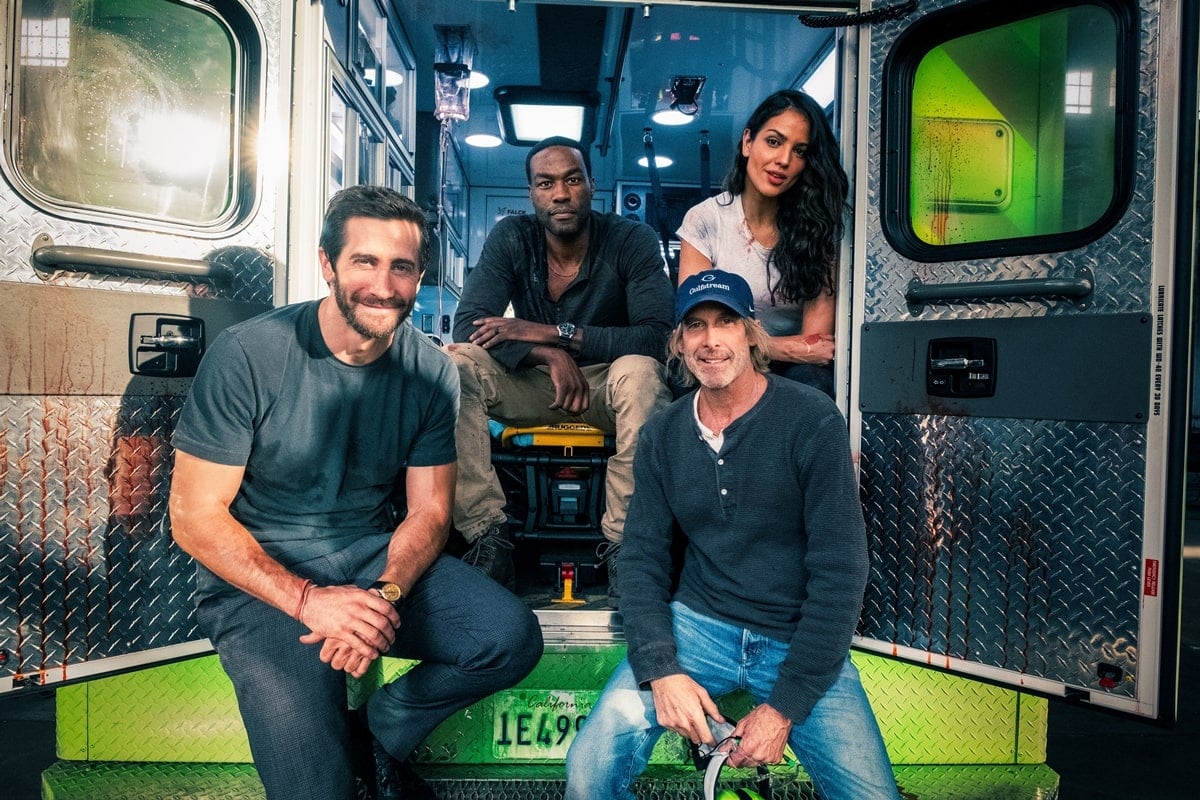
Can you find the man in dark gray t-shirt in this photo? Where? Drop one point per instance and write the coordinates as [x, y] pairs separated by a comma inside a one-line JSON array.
[[313, 481]]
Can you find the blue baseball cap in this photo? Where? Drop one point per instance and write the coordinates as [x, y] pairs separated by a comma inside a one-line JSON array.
[[714, 286]]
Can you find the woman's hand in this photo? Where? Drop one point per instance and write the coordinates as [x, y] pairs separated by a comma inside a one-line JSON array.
[[801, 348]]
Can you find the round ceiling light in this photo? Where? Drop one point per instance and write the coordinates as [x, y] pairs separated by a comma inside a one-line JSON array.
[[660, 161], [483, 140], [671, 116]]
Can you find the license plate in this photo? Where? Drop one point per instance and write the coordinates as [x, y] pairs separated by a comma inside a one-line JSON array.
[[538, 724]]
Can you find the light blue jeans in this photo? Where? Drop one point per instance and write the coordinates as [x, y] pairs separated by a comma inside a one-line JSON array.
[[839, 744]]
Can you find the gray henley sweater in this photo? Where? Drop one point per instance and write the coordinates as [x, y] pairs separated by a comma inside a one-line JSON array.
[[775, 540]]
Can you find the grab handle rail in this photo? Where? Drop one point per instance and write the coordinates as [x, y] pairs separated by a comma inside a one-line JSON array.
[[48, 257], [1077, 289]]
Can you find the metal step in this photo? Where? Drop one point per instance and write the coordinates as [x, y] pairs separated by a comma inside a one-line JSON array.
[[593, 623]]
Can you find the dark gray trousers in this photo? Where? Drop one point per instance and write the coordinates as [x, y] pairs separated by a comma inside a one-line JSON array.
[[471, 635]]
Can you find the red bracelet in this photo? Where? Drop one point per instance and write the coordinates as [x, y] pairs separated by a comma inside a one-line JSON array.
[[308, 587]]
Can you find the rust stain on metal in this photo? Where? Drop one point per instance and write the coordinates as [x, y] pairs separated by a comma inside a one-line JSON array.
[[137, 470]]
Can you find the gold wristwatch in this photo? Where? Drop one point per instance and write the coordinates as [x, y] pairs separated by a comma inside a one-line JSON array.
[[388, 591]]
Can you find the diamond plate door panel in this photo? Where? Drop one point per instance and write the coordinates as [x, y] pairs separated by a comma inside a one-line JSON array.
[[184, 712], [91, 574], [929, 717], [84, 531], [1006, 546], [1001, 542]]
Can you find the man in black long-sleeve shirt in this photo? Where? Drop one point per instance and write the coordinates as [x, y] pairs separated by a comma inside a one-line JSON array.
[[755, 472], [592, 305]]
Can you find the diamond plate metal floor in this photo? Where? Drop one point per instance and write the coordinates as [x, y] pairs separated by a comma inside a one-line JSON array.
[[128, 781]]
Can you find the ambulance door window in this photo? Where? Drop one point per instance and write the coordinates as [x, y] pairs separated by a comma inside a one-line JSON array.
[[1013, 138], [134, 108], [357, 146]]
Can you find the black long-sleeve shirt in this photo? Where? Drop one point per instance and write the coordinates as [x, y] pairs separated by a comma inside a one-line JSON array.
[[622, 297]]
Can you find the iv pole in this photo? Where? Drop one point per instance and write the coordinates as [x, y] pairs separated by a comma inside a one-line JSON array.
[[452, 102]]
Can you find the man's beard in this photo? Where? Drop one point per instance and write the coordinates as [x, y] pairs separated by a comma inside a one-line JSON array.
[[717, 377], [346, 305]]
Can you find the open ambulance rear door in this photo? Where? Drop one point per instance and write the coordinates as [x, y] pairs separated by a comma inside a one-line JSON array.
[[1023, 258], [141, 215]]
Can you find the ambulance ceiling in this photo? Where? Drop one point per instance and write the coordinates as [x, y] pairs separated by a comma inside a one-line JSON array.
[[744, 55]]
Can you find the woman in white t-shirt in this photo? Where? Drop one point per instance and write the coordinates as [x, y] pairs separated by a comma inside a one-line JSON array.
[[779, 223]]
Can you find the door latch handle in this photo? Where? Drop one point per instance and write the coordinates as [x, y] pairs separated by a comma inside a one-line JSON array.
[[961, 367], [165, 346], [956, 363], [172, 342]]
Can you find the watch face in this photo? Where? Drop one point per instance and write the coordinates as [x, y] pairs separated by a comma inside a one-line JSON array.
[[389, 591]]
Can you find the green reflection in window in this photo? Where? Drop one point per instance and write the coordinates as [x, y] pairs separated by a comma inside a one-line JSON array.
[[1013, 130], [127, 106]]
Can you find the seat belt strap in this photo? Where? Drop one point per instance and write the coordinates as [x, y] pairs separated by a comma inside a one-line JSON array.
[[660, 206]]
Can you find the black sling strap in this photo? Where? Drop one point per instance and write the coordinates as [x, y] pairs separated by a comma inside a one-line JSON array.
[[660, 206]]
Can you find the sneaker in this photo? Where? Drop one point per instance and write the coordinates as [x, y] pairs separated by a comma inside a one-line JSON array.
[[491, 553], [607, 553]]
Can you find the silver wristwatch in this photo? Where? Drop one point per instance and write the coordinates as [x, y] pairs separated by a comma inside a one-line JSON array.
[[565, 332]]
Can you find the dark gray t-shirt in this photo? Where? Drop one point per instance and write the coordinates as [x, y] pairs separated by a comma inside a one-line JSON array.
[[324, 444]]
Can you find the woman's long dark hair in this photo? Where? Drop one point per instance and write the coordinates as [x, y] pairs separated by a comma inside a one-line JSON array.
[[809, 217]]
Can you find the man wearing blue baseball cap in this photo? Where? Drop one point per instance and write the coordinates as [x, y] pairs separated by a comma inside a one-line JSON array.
[[755, 471]]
